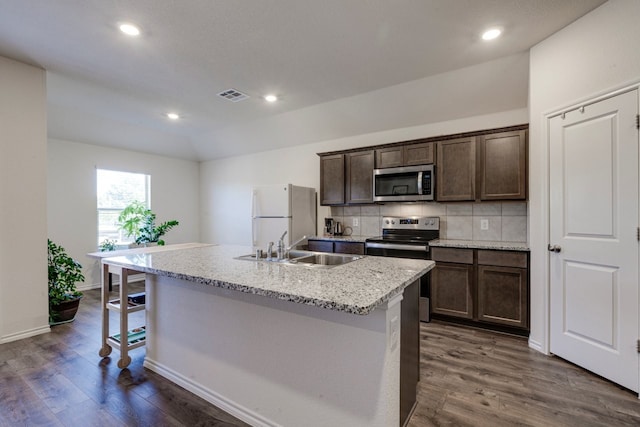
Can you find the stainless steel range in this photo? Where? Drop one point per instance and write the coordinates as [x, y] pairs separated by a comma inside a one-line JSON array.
[[408, 238]]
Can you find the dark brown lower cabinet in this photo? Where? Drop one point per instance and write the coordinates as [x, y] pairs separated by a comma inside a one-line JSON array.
[[452, 290], [487, 287], [320, 245], [356, 248], [502, 295]]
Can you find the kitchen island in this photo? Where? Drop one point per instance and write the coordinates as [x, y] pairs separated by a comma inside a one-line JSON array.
[[277, 344]]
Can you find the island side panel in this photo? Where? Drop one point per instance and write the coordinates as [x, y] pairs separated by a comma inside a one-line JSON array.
[[272, 362]]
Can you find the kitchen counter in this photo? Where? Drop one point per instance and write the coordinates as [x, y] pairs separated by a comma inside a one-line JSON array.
[[479, 244], [357, 287], [277, 344], [146, 249]]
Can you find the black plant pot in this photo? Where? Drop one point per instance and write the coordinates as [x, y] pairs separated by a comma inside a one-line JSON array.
[[64, 312]]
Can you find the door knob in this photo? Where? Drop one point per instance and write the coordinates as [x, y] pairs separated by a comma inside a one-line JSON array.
[[554, 248]]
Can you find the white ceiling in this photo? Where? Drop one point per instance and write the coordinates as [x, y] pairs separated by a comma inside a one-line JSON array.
[[324, 59]]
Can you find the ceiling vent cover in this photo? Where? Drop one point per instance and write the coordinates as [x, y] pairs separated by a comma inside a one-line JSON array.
[[233, 95]]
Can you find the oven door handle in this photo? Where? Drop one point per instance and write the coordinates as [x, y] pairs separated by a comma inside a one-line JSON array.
[[414, 248]]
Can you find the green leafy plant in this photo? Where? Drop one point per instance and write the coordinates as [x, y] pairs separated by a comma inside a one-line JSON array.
[[150, 233], [64, 273], [138, 222], [107, 245], [131, 217]]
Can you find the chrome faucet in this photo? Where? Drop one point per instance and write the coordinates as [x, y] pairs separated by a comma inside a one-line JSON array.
[[293, 245], [269, 250], [280, 250]]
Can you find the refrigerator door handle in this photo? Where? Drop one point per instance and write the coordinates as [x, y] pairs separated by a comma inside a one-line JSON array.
[[254, 237], [253, 203]]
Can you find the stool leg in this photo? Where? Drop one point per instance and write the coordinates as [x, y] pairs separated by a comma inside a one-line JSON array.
[[105, 349]]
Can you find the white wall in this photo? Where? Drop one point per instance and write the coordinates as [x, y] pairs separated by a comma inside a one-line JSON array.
[[24, 308], [275, 363], [592, 56], [486, 88], [71, 196], [226, 184]]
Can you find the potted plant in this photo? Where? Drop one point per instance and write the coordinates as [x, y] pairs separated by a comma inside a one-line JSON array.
[[150, 233], [64, 273], [138, 222], [108, 245], [131, 217]]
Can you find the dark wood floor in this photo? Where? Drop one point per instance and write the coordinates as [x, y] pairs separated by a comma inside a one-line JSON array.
[[472, 377], [468, 377], [58, 379]]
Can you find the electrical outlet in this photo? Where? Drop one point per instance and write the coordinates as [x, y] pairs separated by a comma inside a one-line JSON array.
[[394, 332], [484, 224], [356, 222]]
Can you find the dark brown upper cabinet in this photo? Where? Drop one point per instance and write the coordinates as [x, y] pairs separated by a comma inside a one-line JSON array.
[[347, 178], [391, 157], [405, 155], [489, 164], [456, 170], [359, 180], [418, 154], [502, 166], [332, 179]]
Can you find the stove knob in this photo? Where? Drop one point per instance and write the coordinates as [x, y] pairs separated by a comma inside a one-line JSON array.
[[393, 221], [386, 221]]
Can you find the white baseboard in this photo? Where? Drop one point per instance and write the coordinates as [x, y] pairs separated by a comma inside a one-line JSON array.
[[25, 334], [536, 346], [210, 396]]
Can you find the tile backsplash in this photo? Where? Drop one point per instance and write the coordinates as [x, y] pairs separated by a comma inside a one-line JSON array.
[[504, 221]]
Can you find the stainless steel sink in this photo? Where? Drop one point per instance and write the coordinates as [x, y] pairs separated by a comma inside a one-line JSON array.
[[307, 259], [326, 259]]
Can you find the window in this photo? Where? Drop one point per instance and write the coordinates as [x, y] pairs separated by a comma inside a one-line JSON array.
[[115, 191]]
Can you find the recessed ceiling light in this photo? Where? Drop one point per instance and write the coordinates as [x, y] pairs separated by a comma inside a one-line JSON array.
[[130, 29], [173, 116], [491, 34], [270, 98]]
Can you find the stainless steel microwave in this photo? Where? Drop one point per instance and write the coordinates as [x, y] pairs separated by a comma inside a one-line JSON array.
[[406, 184]]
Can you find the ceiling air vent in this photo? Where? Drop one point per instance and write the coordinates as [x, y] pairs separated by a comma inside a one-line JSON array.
[[233, 95]]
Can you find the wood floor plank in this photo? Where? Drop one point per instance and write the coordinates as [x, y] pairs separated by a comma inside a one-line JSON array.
[[19, 404], [88, 413], [468, 377], [188, 408], [56, 391], [477, 378]]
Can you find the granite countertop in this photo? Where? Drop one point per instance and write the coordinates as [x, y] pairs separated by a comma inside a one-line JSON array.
[[479, 244], [357, 287], [158, 248]]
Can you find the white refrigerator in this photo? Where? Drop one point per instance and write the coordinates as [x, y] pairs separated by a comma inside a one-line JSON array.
[[280, 208]]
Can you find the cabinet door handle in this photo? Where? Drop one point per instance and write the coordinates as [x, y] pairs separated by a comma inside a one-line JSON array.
[[554, 248]]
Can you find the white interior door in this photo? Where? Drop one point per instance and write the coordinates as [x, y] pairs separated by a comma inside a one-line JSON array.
[[593, 223]]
